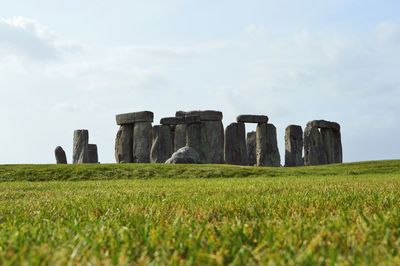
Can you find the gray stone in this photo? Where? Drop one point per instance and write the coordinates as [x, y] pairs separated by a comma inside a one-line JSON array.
[[207, 139], [142, 142], [322, 143], [267, 146], [251, 148], [92, 154], [180, 120], [124, 144], [235, 144], [195, 139], [252, 119], [80, 146], [61, 158], [185, 155], [161, 148], [293, 146], [314, 149], [131, 118], [208, 115], [323, 124], [179, 137], [333, 144]]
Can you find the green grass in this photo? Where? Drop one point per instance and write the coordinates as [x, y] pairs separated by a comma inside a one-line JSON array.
[[200, 214]]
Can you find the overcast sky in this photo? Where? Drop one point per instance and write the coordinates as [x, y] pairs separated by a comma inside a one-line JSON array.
[[66, 65]]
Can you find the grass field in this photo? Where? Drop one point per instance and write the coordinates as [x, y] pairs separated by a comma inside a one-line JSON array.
[[200, 214]]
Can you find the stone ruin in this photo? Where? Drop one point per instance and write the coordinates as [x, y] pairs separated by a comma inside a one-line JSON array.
[[138, 142], [201, 136], [82, 152], [322, 143]]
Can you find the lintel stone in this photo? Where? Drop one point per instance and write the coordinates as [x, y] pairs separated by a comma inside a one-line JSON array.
[[190, 119], [207, 115], [252, 119], [131, 118], [323, 124]]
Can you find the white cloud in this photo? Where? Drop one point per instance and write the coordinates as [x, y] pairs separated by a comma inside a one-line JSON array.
[[20, 36]]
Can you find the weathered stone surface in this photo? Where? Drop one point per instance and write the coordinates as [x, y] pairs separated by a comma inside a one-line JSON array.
[[252, 119], [207, 139], [80, 146], [293, 146], [131, 118], [179, 137], [333, 144], [235, 144], [267, 146], [195, 139], [185, 155], [124, 144], [93, 156], [323, 124], [142, 142], [161, 148], [180, 120], [322, 143], [251, 148], [61, 158], [314, 148], [208, 115]]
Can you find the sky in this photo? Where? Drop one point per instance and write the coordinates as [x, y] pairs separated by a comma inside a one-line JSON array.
[[67, 65]]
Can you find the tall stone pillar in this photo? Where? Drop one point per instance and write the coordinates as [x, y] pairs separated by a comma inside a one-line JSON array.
[[161, 149], [93, 156], [180, 136], [267, 146], [124, 144], [142, 142], [293, 146], [235, 144], [80, 146], [251, 148]]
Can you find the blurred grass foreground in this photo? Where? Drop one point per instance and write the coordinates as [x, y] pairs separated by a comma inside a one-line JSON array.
[[137, 214]]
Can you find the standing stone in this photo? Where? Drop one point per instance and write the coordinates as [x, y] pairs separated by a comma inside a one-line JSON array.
[[207, 138], [251, 148], [337, 145], [92, 154], [195, 138], [322, 143], [293, 146], [235, 144], [314, 149], [61, 158], [161, 148], [213, 142], [142, 142], [124, 144], [80, 146], [179, 137], [267, 146]]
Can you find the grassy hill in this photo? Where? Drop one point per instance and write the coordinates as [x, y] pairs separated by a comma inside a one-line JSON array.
[[146, 171], [345, 214]]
